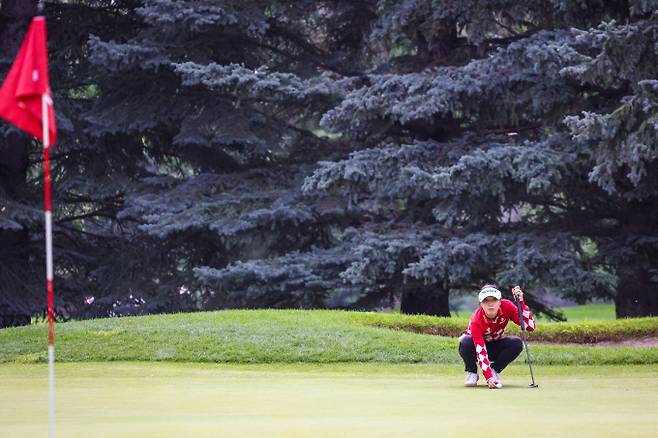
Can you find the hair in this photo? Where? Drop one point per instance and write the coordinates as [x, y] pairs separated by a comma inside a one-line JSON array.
[[486, 286]]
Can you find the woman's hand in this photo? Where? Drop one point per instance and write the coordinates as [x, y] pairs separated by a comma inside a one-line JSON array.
[[492, 383], [518, 293]]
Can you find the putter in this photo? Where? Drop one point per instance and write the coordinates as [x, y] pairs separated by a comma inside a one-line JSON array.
[[525, 343]]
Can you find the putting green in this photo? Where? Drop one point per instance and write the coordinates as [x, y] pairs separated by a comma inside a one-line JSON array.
[[206, 400]]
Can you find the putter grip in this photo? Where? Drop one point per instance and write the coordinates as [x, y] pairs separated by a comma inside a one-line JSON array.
[[518, 306]]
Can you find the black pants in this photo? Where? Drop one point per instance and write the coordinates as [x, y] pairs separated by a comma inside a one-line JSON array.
[[501, 353]]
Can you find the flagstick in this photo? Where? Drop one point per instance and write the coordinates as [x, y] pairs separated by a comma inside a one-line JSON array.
[[45, 101]]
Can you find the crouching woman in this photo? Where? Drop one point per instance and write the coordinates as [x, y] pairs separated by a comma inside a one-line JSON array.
[[484, 340]]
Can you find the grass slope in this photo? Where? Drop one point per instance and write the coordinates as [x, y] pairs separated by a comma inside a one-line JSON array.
[[589, 311], [293, 336], [340, 400]]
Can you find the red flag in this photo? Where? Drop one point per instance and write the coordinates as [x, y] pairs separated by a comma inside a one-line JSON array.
[[26, 83]]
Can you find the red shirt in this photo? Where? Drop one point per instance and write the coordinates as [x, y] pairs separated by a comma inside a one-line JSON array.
[[483, 329]]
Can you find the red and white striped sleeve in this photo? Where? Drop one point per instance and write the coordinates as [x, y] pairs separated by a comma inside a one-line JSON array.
[[527, 316], [480, 349]]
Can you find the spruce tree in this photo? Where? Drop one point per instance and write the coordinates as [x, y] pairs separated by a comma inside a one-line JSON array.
[[541, 153], [345, 154]]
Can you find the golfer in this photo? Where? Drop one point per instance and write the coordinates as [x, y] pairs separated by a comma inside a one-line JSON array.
[[484, 340]]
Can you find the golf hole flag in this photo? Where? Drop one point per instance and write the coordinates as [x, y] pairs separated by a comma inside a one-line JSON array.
[[26, 102], [26, 86]]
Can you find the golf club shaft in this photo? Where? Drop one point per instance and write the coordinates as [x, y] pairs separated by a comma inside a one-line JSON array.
[[525, 344]]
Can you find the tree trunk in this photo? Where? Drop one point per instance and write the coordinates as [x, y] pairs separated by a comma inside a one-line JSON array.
[[429, 300], [637, 295], [438, 50]]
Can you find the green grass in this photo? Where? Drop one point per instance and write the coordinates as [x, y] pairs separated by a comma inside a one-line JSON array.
[[294, 336], [340, 400], [317, 373], [589, 311], [596, 311]]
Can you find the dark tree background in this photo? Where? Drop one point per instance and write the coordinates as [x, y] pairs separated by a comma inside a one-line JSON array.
[[343, 154]]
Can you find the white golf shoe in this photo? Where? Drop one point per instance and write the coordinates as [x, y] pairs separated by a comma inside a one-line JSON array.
[[471, 379]]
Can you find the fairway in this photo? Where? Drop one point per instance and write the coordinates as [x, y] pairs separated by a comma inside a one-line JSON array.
[[208, 400]]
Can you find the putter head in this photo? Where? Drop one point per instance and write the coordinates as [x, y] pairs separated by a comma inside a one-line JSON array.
[[533, 385]]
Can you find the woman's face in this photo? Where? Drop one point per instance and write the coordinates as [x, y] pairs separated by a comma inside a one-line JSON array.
[[490, 305]]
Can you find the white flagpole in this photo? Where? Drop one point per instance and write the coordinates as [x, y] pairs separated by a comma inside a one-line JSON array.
[[45, 102]]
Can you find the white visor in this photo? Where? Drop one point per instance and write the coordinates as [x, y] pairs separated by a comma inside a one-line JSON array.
[[489, 292]]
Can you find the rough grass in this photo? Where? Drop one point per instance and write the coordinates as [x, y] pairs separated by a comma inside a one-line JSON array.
[[294, 336], [584, 331]]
